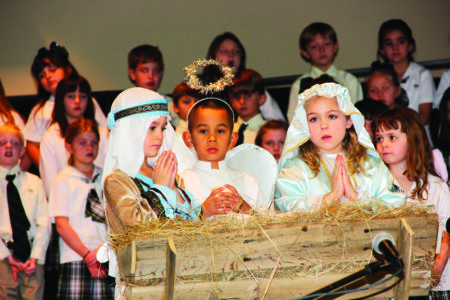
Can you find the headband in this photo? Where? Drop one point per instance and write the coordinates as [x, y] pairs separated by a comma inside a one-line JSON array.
[[153, 107]]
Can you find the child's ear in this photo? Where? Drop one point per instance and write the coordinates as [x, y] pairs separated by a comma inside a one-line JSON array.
[[187, 138], [22, 152], [132, 74], [336, 47], [262, 99], [349, 122], [233, 140], [68, 148], [305, 54], [176, 109]]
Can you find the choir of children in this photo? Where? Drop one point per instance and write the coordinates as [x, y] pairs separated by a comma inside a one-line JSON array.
[[325, 155]]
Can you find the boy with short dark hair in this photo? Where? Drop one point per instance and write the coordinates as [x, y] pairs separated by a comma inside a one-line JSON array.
[[24, 222], [183, 98], [146, 70], [319, 47], [246, 95], [216, 187]]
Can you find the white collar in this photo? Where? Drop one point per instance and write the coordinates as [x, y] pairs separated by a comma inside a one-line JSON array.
[[206, 166]]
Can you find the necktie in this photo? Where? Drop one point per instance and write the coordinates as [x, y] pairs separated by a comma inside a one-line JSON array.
[[241, 134], [21, 248], [94, 207]]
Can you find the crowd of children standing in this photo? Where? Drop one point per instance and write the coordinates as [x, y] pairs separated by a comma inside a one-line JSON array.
[[156, 156]]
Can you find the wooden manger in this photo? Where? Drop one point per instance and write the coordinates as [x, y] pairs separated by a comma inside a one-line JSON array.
[[238, 262]]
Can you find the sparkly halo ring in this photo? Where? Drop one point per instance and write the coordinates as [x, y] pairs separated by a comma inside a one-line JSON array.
[[194, 82]]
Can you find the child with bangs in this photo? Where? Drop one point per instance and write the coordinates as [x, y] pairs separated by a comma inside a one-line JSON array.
[[328, 156], [183, 98], [73, 101], [76, 204], [383, 85], [218, 188], [247, 95], [403, 145], [319, 47], [49, 67]]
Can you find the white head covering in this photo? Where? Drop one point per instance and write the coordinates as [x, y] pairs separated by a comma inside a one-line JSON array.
[[131, 115], [298, 132]]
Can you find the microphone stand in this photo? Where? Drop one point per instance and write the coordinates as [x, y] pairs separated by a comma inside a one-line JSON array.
[[369, 269]]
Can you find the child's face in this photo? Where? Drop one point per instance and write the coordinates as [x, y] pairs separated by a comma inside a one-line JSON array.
[[84, 148], [273, 141], [321, 51], [211, 135], [392, 145], [184, 105], [147, 75], [327, 124], [75, 105], [381, 88], [50, 76], [155, 136], [396, 47], [11, 150], [229, 54], [247, 104]]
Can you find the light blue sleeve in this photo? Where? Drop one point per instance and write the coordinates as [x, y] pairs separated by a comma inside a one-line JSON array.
[[296, 189]]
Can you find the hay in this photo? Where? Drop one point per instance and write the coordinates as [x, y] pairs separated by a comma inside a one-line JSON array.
[[350, 211]]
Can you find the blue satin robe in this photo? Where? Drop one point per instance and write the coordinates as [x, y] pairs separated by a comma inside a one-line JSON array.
[[297, 188]]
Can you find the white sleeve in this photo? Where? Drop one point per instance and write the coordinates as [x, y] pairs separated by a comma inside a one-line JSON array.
[[42, 220], [270, 109], [48, 165], [444, 84], [58, 199], [99, 115]]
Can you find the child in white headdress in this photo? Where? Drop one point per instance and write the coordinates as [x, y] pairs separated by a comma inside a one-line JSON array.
[[140, 169], [328, 156]]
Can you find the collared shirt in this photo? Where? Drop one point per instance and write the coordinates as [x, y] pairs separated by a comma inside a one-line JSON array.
[[342, 77], [39, 120], [444, 84], [201, 180], [254, 124], [419, 85], [34, 202], [68, 196], [54, 155]]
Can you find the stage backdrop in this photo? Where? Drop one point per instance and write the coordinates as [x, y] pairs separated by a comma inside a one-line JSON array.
[[99, 34]]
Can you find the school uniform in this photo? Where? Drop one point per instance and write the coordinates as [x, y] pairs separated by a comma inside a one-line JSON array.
[[34, 203], [252, 127], [342, 77], [39, 120], [69, 198], [54, 155]]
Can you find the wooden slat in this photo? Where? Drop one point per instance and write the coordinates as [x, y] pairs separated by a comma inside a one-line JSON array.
[[207, 262]]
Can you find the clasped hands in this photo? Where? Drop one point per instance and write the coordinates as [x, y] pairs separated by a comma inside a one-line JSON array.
[[341, 183]]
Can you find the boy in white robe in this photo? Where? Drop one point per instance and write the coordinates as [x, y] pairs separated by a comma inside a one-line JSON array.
[[215, 186]]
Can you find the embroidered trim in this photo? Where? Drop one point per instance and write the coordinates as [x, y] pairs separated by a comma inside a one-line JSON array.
[[140, 109]]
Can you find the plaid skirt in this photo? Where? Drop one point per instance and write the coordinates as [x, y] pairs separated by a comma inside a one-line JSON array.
[[76, 282], [439, 295]]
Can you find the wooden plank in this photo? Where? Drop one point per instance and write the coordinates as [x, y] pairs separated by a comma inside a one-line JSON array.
[[241, 261], [171, 256], [405, 243]]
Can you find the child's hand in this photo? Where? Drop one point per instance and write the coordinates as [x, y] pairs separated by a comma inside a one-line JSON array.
[[174, 173], [95, 267], [238, 203], [349, 190], [16, 266], [163, 169], [337, 184], [29, 267]]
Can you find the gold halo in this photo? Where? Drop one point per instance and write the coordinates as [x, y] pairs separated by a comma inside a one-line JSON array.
[[194, 82]]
